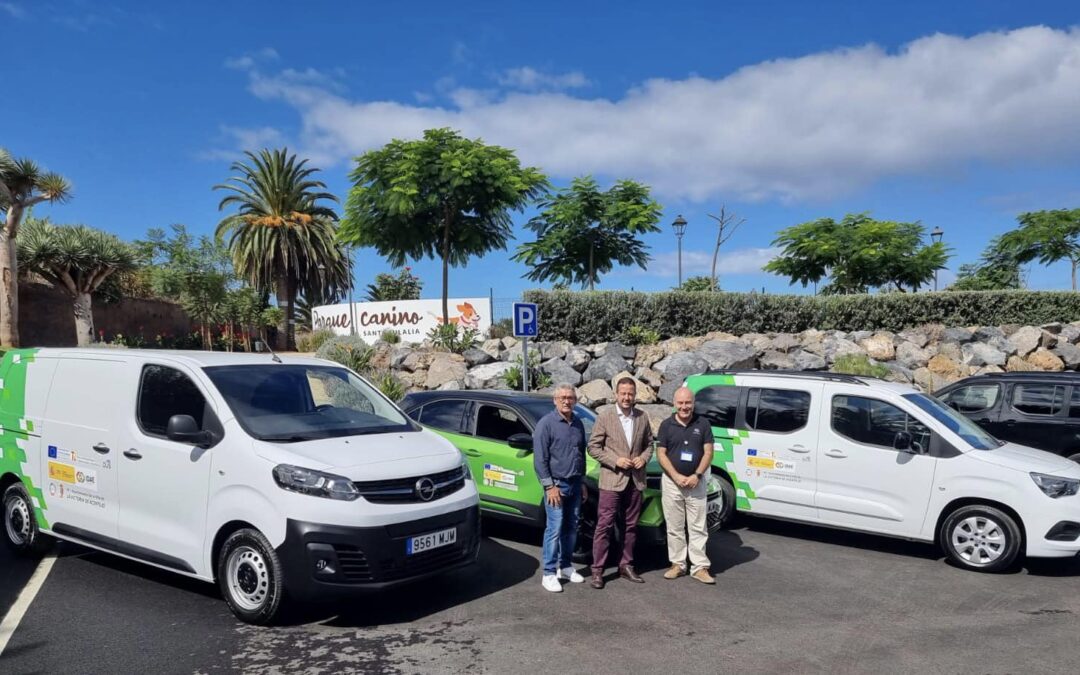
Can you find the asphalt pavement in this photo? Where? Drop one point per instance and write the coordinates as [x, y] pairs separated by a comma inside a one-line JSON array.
[[789, 598]]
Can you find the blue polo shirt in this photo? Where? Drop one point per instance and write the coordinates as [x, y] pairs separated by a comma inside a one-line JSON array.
[[558, 448]]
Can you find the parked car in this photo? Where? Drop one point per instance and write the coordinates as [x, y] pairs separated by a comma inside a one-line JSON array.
[[493, 429], [864, 454], [1040, 410], [266, 475]]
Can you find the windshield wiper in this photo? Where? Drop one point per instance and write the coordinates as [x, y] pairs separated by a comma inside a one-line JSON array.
[[283, 439]]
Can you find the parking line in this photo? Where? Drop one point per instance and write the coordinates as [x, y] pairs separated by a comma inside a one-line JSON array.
[[22, 603]]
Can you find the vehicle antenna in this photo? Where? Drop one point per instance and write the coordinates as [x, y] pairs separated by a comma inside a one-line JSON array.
[[264, 343]]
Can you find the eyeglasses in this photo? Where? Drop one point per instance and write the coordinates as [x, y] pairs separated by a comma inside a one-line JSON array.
[[566, 398]]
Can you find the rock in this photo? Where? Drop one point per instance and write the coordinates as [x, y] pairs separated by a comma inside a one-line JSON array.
[[979, 354], [898, 373], [984, 333], [649, 377], [914, 336], [987, 370], [678, 345], [1048, 340], [678, 366], [1016, 364], [1068, 353], [802, 360], [879, 347], [1002, 345], [761, 343], [1044, 359], [1053, 328], [577, 358], [944, 366], [1026, 340], [561, 372], [774, 360], [645, 393], [928, 381], [492, 348], [859, 335], [1010, 328], [451, 385], [950, 350], [595, 393], [508, 342], [397, 358], [1070, 332], [834, 347], [647, 355], [957, 334], [721, 335], [554, 350], [445, 368], [382, 357], [910, 356], [666, 393], [605, 367], [628, 352], [597, 350], [412, 380], [488, 375], [726, 355], [476, 357], [419, 359], [786, 342]]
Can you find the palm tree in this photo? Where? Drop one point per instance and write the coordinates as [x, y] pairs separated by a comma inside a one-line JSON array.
[[22, 185], [282, 237], [76, 259]]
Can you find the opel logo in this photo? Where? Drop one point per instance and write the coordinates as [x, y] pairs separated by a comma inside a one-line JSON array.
[[425, 489]]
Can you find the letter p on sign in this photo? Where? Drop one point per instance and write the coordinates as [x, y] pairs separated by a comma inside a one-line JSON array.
[[525, 324]]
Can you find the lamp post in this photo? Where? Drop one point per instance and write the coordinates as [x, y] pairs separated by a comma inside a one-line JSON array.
[[680, 229], [936, 235]]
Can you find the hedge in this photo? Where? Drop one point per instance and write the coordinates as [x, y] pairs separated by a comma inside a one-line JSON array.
[[588, 317]]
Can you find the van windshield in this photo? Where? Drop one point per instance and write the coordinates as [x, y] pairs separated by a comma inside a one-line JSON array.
[[955, 422], [289, 403]]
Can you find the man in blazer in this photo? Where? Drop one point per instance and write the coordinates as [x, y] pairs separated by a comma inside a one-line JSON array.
[[622, 443]]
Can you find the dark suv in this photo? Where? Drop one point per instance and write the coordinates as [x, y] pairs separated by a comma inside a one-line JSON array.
[[1039, 410]]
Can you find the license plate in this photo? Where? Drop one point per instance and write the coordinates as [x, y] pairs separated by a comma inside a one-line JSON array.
[[426, 542]]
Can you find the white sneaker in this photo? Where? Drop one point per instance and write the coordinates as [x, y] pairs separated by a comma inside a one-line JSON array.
[[550, 582], [571, 574]]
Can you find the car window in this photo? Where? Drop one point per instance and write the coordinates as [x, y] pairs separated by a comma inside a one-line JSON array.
[[1038, 399], [1074, 402], [718, 404], [973, 398], [165, 392], [498, 423], [872, 422], [778, 410], [444, 415]]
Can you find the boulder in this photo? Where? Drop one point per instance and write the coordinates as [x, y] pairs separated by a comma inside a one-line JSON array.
[[898, 373], [928, 381], [508, 342], [1068, 353], [858, 336], [645, 393], [561, 372], [802, 360], [915, 336], [774, 360], [1026, 340], [445, 368], [647, 355], [1070, 332], [492, 348], [678, 366], [1048, 340], [595, 393], [397, 358], [1054, 327], [488, 375], [834, 347], [957, 334], [984, 333], [879, 347], [678, 345], [909, 355], [727, 355], [950, 350], [476, 357], [382, 358], [980, 354], [419, 359], [1002, 345], [554, 350], [1017, 364], [451, 385], [1044, 359], [628, 352], [649, 377], [605, 367], [761, 343], [945, 367], [721, 335], [578, 358], [596, 350], [987, 370], [786, 342]]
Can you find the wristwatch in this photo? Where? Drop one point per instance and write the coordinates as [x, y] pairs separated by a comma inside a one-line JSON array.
[[699, 475]]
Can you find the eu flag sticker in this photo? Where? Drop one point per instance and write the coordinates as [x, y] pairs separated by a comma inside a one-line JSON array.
[[52, 452], [751, 452]]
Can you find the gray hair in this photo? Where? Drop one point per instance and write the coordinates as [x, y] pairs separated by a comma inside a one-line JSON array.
[[564, 386]]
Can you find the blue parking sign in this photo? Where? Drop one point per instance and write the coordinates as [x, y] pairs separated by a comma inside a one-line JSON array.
[[525, 323]]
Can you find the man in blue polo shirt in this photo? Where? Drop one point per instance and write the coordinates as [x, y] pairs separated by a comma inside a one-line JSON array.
[[685, 451], [559, 459]]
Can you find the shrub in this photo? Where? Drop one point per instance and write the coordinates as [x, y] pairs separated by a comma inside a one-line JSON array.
[[586, 318], [390, 337], [636, 335], [500, 329], [538, 379], [858, 364], [453, 339], [310, 342], [349, 350], [389, 384]]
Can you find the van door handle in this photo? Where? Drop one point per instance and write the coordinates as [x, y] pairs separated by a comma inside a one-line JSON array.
[[101, 449], [799, 448], [835, 453], [473, 453], [132, 454]]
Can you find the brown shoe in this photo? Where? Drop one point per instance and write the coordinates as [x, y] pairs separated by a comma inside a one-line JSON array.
[[675, 572], [597, 581], [704, 577], [627, 572]]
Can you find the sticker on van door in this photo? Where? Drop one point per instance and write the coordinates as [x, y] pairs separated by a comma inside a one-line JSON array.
[[14, 427]]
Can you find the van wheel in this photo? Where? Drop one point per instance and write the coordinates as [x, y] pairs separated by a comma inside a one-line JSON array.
[[20, 525], [250, 577], [981, 538], [726, 515]]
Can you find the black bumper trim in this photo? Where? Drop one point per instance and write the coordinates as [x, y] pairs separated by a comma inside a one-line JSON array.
[[1066, 530]]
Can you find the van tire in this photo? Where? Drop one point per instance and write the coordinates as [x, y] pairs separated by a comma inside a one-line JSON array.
[[728, 508], [20, 525], [981, 538], [250, 577]]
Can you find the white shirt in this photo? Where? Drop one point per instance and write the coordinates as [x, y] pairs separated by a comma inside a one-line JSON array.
[[627, 422]]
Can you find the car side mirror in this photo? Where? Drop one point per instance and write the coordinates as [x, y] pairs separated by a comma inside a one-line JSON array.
[[523, 443], [184, 429], [905, 442]]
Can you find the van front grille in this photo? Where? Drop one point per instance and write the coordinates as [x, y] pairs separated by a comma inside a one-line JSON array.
[[408, 490]]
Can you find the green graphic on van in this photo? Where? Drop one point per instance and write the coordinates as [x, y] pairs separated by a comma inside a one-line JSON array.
[[726, 440], [14, 427]]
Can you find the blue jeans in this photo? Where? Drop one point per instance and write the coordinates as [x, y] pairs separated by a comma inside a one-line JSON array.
[[560, 532]]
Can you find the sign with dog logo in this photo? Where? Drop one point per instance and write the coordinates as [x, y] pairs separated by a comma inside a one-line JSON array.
[[411, 319]]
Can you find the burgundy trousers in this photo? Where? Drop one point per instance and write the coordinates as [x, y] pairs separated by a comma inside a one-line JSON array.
[[607, 510]]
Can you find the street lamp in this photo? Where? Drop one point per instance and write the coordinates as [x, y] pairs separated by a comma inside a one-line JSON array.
[[680, 229], [936, 235]]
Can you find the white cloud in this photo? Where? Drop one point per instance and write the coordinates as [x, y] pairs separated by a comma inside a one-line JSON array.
[[531, 79], [810, 127], [734, 262], [251, 59], [14, 10], [239, 139]]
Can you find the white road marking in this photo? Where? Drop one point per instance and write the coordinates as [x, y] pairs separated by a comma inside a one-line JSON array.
[[22, 603]]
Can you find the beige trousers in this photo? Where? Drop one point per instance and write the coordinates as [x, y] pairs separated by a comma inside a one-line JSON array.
[[685, 511]]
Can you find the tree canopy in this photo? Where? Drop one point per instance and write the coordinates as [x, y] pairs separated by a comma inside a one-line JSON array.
[[857, 254], [442, 196], [1046, 236], [998, 269], [582, 233]]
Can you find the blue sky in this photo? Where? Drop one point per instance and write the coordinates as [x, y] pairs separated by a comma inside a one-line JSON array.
[[960, 115]]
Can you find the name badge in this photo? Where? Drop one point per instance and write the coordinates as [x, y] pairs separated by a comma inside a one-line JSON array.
[[686, 456]]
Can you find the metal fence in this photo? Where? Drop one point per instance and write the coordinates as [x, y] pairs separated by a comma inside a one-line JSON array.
[[502, 308]]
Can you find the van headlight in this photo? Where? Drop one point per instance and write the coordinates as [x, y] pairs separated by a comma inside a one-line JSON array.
[[466, 472], [1055, 486], [314, 483]]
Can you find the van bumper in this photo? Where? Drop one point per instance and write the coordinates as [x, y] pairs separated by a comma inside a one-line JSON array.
[[320, 560]]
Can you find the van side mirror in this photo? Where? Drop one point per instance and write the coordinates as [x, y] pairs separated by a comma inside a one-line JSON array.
[[522, 443], [905, 442], [184, 429]]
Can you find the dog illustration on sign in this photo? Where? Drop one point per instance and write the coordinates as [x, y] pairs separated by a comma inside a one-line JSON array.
[[468, 318]]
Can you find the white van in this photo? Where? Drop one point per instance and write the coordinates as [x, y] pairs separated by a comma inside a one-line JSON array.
[[865, 454], [265, 475]]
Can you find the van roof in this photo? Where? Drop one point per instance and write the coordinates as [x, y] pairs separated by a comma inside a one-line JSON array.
[[803, 375], [198, 359]]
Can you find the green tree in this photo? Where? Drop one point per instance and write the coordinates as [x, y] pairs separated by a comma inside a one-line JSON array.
[[282, 237], [582, 232], [1046, 236], [23, 184], [76, 259], [402, 286], [998, 269], [857, 254], [698, 284], [442, 196]]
